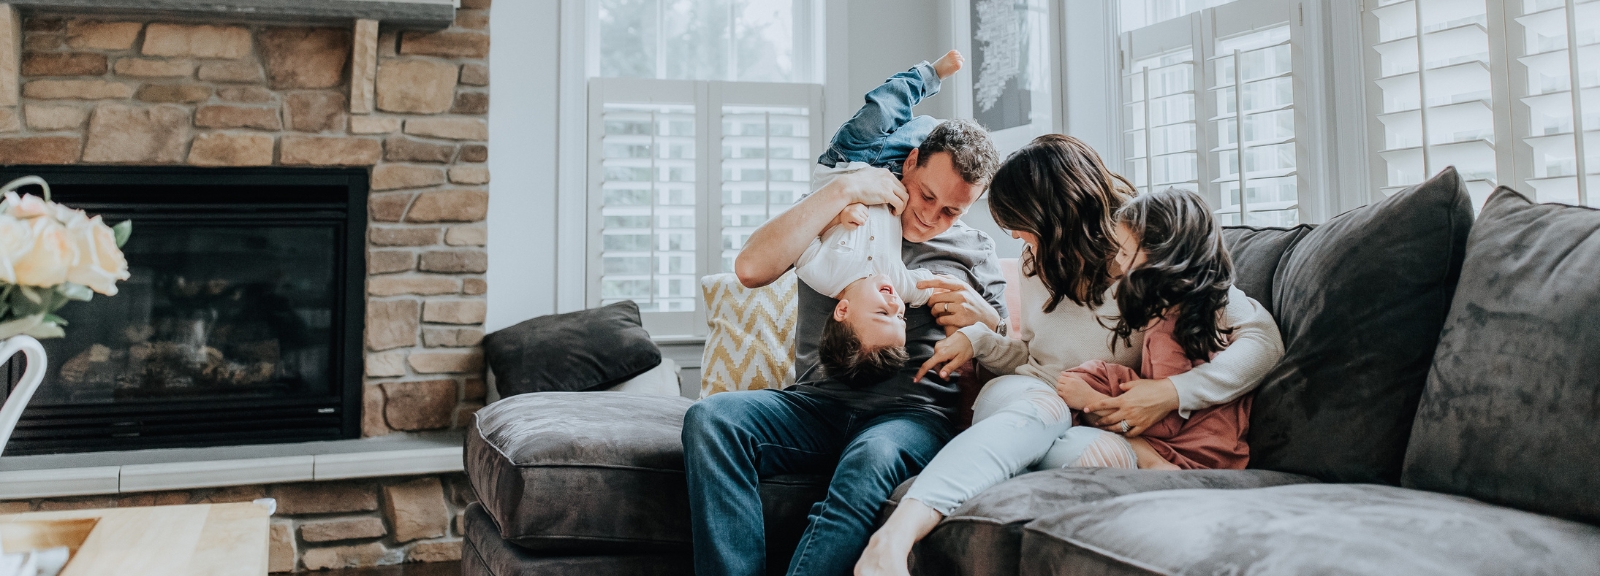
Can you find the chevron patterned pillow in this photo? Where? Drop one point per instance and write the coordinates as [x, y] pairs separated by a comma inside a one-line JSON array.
[[751, 343]]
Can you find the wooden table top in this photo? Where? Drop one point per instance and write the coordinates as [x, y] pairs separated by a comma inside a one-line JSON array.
[[188, 540]]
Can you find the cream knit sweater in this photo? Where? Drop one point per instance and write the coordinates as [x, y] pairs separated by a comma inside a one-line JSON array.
[[1073, 334]]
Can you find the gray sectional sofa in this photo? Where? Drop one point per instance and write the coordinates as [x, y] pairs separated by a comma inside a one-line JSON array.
[[1435, 413]]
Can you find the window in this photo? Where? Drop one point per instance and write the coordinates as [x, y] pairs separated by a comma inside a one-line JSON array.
[[1238, 132], [731, 40], [702, 126], [1437, 68], [681, 173]]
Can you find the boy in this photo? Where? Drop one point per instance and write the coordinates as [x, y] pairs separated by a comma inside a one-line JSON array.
[[857, 261]]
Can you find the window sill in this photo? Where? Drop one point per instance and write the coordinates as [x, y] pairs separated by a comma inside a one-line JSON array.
[[95, 473], [405, 13]]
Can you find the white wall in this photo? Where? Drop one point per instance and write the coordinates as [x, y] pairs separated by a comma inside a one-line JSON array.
[[522, 162]]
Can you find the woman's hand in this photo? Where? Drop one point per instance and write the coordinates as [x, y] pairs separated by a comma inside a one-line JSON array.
[[871, 187], [949, 354], [959, 305], [1142, 404]]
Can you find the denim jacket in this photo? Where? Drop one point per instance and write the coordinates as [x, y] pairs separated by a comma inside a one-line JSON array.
[[883, 132]]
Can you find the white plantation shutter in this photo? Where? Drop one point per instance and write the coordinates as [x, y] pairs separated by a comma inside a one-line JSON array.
[[1555, 42], [657, 150], [1181, 110]]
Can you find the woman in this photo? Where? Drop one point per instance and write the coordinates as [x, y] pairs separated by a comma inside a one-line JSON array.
[[1057, 196]]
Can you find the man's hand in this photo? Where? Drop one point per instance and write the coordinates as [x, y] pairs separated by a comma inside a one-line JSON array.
[[871, 187], [1143, 403], [959, 305], [949, 354]]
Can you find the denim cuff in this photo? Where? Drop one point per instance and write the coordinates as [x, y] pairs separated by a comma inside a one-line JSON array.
[[930, 79]]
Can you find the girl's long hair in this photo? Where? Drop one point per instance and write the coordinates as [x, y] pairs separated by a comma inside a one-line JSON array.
[[1057, 189], [1186, 268]]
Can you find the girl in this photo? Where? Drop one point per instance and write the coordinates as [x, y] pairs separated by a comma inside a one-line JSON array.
[[1177, 283], [1059, 199]]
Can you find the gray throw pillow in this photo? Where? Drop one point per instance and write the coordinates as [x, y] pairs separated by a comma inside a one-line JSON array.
[[1511, 406], [1256, 254], [1360, 301], [572, 352]]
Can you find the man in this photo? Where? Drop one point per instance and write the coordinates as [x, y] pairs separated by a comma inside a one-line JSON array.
[[872, 437]]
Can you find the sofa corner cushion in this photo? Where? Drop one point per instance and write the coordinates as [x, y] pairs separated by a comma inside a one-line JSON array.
[[1509, 412], [1305, 529], [583, 350], [566, 473], [1360, 302], [581, 469], [984, 535], [1256, 254]]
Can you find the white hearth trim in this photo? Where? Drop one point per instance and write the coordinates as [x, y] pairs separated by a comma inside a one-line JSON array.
[[101, 473]]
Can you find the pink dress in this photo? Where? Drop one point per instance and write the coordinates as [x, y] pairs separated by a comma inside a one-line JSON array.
[[1211, 438]]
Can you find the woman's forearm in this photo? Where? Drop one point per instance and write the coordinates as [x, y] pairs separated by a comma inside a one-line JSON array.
[[999, 354], [1256, 349]]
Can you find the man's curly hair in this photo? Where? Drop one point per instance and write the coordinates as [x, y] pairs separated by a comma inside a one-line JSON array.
[[846, 361], [971, 150]]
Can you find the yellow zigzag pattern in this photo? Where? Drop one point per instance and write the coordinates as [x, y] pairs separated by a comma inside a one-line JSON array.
[[751, 344]]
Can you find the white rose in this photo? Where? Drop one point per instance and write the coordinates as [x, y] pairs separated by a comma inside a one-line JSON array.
[[46, 264], [99, 263], [25, 206], [15, 241]]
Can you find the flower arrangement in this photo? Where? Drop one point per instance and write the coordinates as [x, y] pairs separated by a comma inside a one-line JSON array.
[[50, 255]]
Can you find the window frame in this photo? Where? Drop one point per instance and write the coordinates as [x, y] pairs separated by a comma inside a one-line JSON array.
[[708, 97]]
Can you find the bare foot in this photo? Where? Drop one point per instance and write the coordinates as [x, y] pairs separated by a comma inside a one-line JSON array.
[[889, 548], [948, 64], [1149, 459]]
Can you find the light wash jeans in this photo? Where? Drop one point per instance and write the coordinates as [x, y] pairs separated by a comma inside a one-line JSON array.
[[1018, 424]]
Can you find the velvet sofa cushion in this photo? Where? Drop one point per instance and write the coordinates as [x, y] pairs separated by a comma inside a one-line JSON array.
[[483, 553], [1511, 406], [584, 350], [984, 535], [1360, 301], [1306, 529], [1257, 253], [568, 473]]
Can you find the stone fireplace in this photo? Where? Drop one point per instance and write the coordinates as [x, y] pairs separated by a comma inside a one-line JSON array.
[[402, 103]]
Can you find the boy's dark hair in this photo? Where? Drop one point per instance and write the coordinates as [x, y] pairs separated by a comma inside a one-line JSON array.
[[1186, 267], [971, 150], [844, 360]]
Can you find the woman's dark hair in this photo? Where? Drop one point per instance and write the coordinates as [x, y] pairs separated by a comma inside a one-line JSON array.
[[1186, 266], [1057, 189]]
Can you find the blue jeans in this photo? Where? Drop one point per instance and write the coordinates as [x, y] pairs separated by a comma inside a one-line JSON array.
[[732, 440], [883, 132]]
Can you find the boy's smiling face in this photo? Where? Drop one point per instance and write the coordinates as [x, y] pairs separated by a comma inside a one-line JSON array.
[[874, 312], [937, 196]]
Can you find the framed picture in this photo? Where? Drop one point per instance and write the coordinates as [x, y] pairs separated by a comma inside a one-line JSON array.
[[1009, 83]]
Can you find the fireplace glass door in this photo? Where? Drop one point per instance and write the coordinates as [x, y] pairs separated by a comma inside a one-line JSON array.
[[233, 328]]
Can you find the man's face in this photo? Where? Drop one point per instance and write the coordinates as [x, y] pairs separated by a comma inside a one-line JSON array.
[[938, 196]]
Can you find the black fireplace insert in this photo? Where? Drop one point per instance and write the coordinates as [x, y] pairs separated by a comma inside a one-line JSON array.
[[241, 323]]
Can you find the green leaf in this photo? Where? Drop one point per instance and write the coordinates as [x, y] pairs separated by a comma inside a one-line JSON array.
[[46, 330], [32, 294], [77, 292], [122, 230], [53, 319]]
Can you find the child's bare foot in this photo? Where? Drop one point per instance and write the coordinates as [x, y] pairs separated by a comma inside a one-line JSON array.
[[1149, 459], [948, 64]]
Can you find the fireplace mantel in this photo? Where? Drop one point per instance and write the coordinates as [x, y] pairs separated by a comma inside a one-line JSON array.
[[430, 14]]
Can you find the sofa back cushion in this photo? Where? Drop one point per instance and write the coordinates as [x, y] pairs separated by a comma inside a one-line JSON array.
[[1257, 253], [1511, 407], [1360, 301]]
